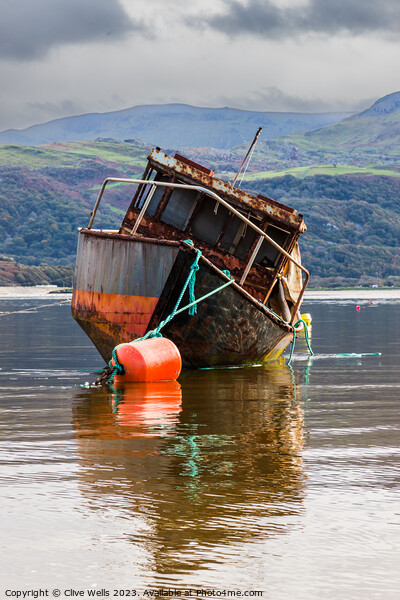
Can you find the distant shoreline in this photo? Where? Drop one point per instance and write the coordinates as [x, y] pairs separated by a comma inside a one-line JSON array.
[[40, 291], [54, 292], [364, 294]]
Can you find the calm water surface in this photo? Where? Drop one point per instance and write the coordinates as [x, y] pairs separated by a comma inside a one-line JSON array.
[[261, 479]]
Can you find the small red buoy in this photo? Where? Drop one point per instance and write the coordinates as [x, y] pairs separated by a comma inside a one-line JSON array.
[[371, 302], [154, 359], [358, 307]]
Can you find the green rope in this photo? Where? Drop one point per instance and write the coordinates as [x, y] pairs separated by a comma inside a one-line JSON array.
[[191, 282], [117, 367], [294, 339], [192, 304], [357, 355]]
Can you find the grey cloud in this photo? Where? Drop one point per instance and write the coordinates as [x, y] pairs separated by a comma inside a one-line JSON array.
[[30, 28], [276, 100], [264, 18], [52, 110]]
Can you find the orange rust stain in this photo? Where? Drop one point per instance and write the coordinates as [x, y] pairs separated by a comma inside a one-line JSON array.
[[129, 311]]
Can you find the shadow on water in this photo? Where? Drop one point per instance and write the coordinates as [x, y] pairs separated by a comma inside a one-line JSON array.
[[207, 463]]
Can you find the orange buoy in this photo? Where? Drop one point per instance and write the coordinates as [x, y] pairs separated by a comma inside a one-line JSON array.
[[154, 359]]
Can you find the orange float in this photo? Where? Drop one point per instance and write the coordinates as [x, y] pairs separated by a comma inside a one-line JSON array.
[[154, 359]]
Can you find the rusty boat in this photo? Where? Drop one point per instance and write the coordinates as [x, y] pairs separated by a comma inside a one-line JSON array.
[[128, 281]]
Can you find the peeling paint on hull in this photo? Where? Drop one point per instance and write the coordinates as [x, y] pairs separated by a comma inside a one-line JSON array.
[[109, 317], [124, 286]]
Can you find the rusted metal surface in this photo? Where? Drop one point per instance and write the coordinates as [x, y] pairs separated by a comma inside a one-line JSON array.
[[118, 281], [193, 164], [115, 264], [126, 282], [262, 205], [112, 307], [113, 234], [109, 319], [278, 204], [258, 275], [227, 329], [249, 296]]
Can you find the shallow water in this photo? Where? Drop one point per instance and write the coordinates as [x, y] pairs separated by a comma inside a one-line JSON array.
[[266, 479]]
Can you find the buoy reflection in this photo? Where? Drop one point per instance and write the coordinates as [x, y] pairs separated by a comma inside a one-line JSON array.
[[147, 408]]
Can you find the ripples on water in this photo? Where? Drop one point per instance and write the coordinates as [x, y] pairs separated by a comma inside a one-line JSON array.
[[262, 478]]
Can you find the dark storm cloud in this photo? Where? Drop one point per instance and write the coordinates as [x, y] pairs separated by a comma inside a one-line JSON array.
[[264, 18], [30, 28]]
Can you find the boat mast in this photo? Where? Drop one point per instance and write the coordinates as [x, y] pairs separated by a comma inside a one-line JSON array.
[[248, 156]]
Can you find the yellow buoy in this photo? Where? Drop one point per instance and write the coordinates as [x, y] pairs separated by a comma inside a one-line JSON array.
[[307, 319]]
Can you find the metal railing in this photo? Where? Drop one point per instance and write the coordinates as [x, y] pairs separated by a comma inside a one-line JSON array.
[[198, 188]]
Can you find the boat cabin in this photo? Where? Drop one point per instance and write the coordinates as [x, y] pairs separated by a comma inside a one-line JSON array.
[[228, 234]]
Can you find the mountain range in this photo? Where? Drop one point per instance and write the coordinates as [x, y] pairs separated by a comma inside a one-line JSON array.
[[370, 136], [171, 125], [343, 177], [368, 142]]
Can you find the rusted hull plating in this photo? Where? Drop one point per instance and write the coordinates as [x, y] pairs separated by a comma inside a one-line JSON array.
[[124, 286], [117, 286]]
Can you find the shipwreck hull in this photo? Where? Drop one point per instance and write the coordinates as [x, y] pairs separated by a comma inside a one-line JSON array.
[[118, 282], [125, 286]]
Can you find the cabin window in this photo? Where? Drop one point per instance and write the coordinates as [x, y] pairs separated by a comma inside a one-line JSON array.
[[233, 235], [238, 237], [268, 255], [244, 238], [180, 208], [207, 225], [180, 205], [158, 193]]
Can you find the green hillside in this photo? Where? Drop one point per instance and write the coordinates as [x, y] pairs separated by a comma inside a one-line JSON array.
[[333, 170], [14, 273], [371, 137], [353, 226], [47, 193], [352, 212]]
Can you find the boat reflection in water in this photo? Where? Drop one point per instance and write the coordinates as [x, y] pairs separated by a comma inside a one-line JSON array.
[[203, 466], [147, 409]]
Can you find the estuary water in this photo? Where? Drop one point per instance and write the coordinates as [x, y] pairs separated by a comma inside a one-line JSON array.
[[266, 481]]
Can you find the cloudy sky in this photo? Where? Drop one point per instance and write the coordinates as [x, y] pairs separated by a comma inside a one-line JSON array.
[[68, 57]]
